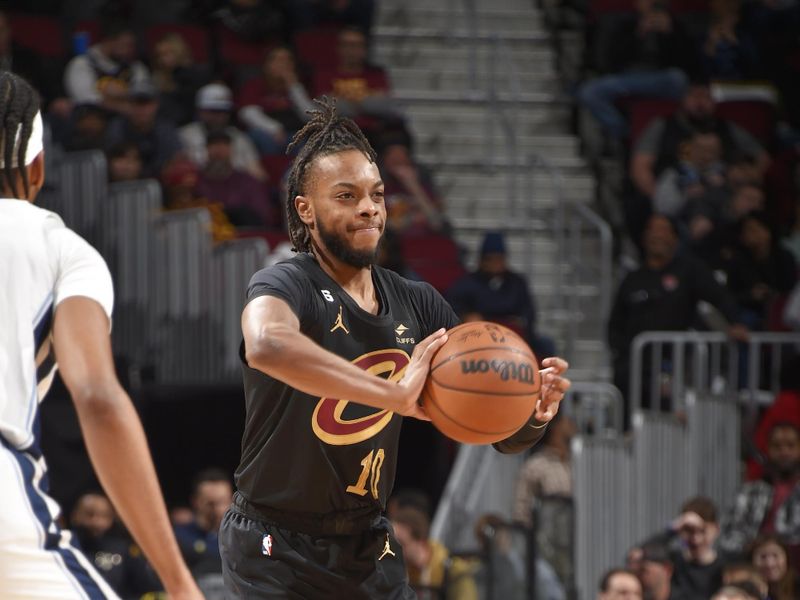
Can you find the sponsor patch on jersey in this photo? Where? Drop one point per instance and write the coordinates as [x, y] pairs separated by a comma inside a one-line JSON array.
[[266, 545], [399, 330]]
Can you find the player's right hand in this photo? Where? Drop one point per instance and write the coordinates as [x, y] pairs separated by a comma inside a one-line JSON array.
[[411, 385]]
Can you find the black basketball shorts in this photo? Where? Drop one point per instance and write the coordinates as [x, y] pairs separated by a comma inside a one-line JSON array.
[[263, 560]]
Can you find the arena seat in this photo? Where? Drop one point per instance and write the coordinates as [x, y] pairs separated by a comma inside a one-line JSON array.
[[196, 38], [90, 26], [276, 166], [41, 34], [642, 111], [316, 47], [236, 51], [756, 117], [435, 258]]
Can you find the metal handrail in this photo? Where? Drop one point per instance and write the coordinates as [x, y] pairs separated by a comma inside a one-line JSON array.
[[707, 348]]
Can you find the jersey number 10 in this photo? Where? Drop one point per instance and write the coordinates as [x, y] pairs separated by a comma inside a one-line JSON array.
[[371, 464]]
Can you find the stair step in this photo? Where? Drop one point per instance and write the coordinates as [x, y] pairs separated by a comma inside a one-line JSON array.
[[502, 15], [456, 79], [438, 54], [487, 32], [545, 120]]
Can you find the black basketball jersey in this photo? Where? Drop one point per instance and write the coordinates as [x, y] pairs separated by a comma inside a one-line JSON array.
[[304, 454]]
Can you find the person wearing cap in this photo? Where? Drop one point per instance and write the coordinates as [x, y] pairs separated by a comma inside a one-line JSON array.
[[496, 293], [214, 103], [156, 138]]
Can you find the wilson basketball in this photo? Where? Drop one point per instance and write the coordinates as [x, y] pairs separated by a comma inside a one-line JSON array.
[[483, 384]]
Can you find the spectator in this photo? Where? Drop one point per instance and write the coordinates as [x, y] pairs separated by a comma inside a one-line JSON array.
[[655, 572], [362, 90], [502, 573], [124, 162], [214, 103], [246, 200], [179, 180], [785, 408], [176, 77], [744, 572], [548, 472], [212, 493], [771, 504], [734, 592], [496, 293], [157, 139], [771, 557], [274, 105], [86, 129], [694, 191], [651, 57], [697, 564], [662, 295], [620, 584], [412, 203], [760, 270], [107, 71], [729, 51], [118, 560], [430, 567], [660, 144]]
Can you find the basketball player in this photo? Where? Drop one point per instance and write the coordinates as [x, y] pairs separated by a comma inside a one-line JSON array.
[[322, 327], [55, 306]]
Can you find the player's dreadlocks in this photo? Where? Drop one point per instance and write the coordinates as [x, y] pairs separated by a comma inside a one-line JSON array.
[[19, 104], [326, 133]]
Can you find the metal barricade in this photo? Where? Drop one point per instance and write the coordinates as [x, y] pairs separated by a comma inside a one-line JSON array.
[[595, 406], [603, 474], [188, 347], [128, 247], [233, 263], [81, 193]]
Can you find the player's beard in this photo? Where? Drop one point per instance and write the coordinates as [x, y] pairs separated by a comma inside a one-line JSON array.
[[337, 245]]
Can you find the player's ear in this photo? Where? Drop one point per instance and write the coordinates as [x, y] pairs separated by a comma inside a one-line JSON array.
[[303, 207]]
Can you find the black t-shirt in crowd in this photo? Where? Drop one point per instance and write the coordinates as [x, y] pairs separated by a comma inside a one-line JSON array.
[[308, 455], [692, 581]]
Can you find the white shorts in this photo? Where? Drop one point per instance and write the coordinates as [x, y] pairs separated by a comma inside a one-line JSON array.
[[37, 558]]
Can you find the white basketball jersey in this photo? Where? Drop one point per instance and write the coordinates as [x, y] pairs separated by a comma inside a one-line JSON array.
[[42, 262]]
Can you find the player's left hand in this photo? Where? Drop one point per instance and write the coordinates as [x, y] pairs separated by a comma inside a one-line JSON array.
[[554, 386]]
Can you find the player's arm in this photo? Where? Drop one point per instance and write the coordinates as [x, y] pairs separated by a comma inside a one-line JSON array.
[[275, 345], [115, 438], [554, 386]]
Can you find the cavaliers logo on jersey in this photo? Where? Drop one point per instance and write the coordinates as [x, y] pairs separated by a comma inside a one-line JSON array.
[[333, 427]]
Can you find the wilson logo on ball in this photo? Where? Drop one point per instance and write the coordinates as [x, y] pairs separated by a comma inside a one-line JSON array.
[[328, 421], [507, 370]]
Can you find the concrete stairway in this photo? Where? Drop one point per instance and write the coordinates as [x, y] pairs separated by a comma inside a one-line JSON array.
[[428, 49]]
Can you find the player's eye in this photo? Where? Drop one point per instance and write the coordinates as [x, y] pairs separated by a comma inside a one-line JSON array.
[[378, 194], [345, 196]]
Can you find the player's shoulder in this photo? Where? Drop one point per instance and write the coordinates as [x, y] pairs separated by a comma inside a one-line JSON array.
[[400, 283], [26, 214], [290, 269]]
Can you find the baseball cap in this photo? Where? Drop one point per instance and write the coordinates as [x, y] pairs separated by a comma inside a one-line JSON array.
[[214, 96]]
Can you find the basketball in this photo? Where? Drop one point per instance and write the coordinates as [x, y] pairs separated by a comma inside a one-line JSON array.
[[483, 384]]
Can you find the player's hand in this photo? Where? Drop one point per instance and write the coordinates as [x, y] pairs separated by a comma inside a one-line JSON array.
[[554, 386], [410, 386]]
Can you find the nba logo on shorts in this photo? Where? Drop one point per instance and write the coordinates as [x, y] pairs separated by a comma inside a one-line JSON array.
[[266, 545]]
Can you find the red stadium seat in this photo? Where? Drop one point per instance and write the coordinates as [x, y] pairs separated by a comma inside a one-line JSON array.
[[236, 51], [90, 26], [317, 47], [756, 117], [43, 35], [435, 258], [196, 38], [276, 166], [606, 7], [642, 111], [679, 7]]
